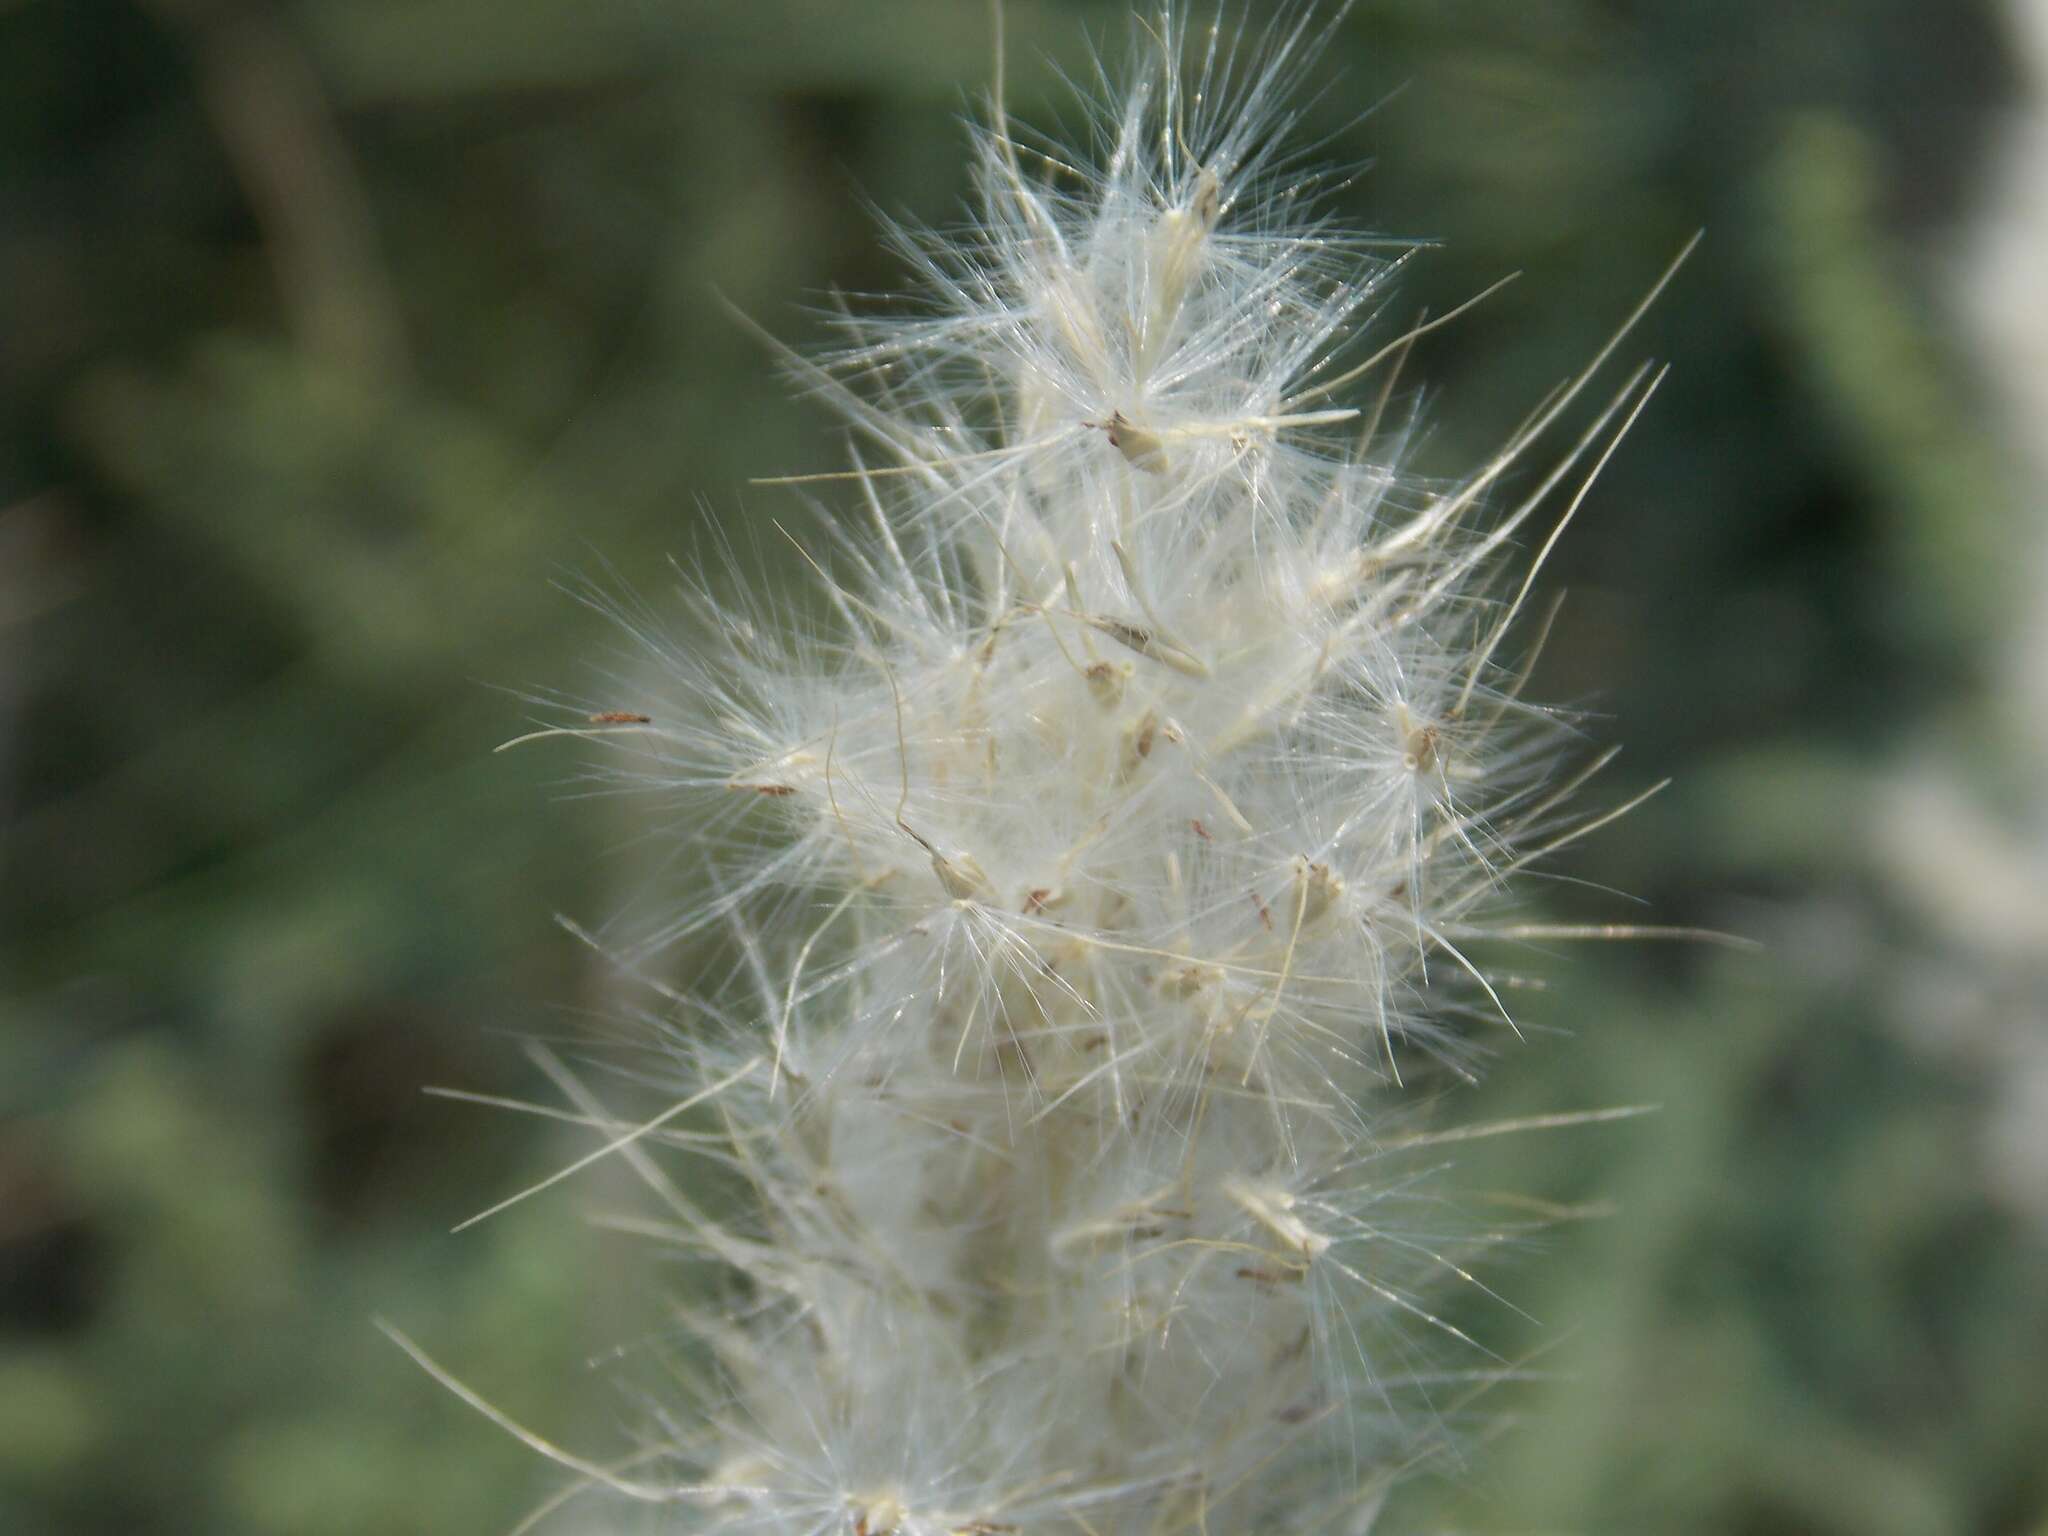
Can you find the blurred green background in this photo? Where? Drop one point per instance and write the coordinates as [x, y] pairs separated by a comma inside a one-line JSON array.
[[333, 332]]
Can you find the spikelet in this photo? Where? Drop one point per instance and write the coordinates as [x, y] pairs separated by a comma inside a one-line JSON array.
[[1103, 871]]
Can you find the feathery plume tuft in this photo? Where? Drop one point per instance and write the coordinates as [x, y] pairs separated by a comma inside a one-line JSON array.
[[1103, 871]]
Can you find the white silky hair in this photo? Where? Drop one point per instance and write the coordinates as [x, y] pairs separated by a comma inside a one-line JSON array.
[[1103, 869]]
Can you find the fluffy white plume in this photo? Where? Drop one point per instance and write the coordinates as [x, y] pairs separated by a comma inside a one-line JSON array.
[[1098, 867]]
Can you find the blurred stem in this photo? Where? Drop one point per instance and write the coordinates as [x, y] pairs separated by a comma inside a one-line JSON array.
[[277, 130]]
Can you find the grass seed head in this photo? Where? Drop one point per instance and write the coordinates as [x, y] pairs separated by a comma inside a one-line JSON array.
[[1102, 872]]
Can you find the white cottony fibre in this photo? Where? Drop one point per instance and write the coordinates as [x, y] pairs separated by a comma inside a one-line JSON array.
[[1105, 869]]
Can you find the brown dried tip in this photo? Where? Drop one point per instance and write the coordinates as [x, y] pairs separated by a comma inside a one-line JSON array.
[[1141, 449], [620, 717], [1265, 1278]]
